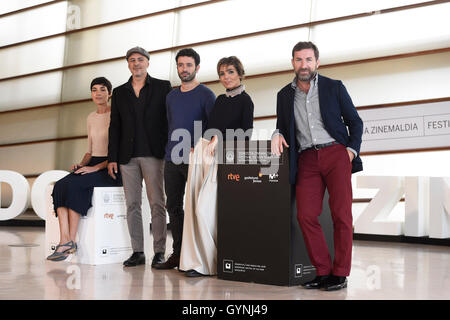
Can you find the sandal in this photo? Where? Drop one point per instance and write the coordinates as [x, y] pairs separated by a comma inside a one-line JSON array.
[[59, 256], [72, 245]]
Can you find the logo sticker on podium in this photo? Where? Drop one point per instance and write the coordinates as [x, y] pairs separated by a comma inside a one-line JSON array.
[[230, 156], [298, 270], [106, 198], [228, 266]]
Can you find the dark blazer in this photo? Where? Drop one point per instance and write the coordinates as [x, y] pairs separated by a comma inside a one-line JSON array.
[[121, 127], [338, 114]]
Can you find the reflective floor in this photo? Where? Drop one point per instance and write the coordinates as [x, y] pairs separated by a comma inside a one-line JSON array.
[[380, 271]]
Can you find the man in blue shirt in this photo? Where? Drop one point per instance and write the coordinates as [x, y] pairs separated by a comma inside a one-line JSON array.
[[189, 103]]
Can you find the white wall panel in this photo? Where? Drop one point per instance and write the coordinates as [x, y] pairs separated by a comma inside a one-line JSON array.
[[229, 18], [34, 23], [30, 91], [326, 9], [9, 6], [40, 157], [408, 79], [383, 34], [28, 159], [265, 53], [28, 126], [114, 41], [32, 57], [103, 11]]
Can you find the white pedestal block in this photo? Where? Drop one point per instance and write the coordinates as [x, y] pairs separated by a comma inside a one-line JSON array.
[[103, 235]]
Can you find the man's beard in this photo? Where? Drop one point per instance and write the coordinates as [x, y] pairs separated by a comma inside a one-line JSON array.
[[308, 77], [188, 77]]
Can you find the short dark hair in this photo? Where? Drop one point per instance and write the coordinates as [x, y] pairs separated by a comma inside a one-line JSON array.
[[232, 61], [306, 45], [103, 81], [188, 52]]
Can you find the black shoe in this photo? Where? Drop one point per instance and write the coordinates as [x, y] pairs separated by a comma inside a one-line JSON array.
[[172, 262], [193, 274], [158, 258], [334, 283], [316, 283], [135, 259]]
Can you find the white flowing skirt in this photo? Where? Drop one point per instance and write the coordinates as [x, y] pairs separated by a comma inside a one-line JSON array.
[[199, 244]]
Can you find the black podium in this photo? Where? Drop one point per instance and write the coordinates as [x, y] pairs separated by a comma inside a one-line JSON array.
[[258, 237]]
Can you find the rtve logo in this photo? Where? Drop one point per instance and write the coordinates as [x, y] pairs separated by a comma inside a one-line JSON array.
[[235, 177], [109, 216]]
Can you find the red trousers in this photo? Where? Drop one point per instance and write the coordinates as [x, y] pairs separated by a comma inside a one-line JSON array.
[[329, 168]]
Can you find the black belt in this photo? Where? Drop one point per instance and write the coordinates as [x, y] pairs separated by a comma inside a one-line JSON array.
[[321, 146]]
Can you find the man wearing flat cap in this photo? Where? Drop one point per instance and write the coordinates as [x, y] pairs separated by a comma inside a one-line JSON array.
[[137, 140]]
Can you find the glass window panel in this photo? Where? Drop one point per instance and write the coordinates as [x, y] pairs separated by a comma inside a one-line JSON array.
[[30, 91], [263, 129], [326, 9], [383, 34], [10, 6], [150, 34], [395, 80], [28, 126], [5, 195], [261, 54], [77, 81], [72, 118], [229, 18], [217, 88], [23, 159], [69, 152], [102, 11], [32, 57], [51, 156], [188, 2], [33, 24], [48, 123], [264, 92]]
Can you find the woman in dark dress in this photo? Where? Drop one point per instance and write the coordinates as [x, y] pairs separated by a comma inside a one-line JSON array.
[[232, 110], [72, 194]]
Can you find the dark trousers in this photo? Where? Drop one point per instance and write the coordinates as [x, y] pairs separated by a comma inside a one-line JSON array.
[[329, 168], [175, 177]]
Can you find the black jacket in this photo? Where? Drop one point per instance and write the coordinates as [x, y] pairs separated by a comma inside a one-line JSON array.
[[339, 115], [121, 127]]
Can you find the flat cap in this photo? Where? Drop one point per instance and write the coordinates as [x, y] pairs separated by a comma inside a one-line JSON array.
[[139, 50]]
